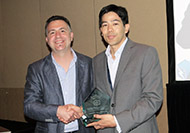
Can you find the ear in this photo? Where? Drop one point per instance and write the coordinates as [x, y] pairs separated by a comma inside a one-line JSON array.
[[100, 29], [46, 39], [127, 26], [72, 36]]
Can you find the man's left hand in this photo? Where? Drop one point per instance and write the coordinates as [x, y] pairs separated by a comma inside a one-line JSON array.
[[106, 120]]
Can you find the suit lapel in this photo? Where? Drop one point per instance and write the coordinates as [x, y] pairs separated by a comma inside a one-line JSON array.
[[105, 77], [79, 79], [51, 73], [123, 61]]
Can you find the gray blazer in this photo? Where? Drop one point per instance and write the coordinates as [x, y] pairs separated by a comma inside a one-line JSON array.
[[42, 94], [137, 93]]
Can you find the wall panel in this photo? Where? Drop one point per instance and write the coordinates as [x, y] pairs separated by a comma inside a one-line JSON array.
[[21, 39]]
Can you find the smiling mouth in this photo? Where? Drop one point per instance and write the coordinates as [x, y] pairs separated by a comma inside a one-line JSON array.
[[111, 37], [58, 42]]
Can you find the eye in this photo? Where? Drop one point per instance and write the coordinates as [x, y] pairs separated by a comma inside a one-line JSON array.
[[51, 32], [115, 24], [104, 25], [62, 30]]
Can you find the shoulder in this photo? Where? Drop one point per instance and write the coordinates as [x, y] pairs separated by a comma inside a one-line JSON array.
[[144, 53], [137, 45], [83, 58], [41, 62], [140, 48], [99, 56]]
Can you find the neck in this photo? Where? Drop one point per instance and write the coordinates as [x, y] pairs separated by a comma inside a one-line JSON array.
[[114, 48], [63, 59], [112, 52]]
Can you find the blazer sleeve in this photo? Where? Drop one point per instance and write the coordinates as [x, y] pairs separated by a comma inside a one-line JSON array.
[[151, 97], [34, 106]]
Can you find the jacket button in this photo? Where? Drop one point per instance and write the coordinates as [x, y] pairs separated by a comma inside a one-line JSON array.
[[112, 105]]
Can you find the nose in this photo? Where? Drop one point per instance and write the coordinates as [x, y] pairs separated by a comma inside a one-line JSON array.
[[110, 28], [57, 34]]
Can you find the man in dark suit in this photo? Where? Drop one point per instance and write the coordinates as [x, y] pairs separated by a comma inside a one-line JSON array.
[[58, 82], [130, 73]]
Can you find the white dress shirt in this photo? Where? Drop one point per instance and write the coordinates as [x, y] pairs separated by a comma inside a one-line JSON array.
[[113, 66]]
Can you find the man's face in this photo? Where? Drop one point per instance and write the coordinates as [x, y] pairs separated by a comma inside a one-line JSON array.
[[113, 30], [59, 36]]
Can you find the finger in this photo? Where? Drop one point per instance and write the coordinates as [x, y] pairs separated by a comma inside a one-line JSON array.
[[69, 107], [76, 115], [59, 117], [92, 124], [77, 109], [97, 116], [97, 127], [64, 121], [72, 118]]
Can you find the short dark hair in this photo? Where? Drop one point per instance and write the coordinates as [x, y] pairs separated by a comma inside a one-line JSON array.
[[120, 11], [56, 17]]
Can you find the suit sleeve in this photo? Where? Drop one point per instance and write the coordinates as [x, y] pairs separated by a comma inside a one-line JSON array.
[[34, 106], [151, 96]]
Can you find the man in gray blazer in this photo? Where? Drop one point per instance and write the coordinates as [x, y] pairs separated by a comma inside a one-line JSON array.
[[130, 73], [58, 82]]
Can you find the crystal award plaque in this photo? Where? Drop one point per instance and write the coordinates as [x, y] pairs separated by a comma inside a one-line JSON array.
[[98, 102]]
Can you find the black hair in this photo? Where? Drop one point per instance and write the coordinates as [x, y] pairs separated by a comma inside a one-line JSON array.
[[120, 11], [56, 17]]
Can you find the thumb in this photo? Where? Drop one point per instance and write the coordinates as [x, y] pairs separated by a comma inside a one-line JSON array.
[[97, 116]]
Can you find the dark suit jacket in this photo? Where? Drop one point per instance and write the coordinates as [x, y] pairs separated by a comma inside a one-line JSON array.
[[43, 95], [137, 93]]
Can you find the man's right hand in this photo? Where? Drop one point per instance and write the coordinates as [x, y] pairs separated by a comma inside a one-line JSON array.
[[68, 113]]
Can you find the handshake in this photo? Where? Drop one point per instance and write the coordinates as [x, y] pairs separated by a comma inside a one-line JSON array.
[[97, 103], [68, 113]]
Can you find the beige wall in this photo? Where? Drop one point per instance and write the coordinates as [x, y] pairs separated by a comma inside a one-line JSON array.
[[22, 40]]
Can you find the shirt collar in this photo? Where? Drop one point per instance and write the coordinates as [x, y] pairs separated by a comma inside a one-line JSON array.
[[74, 57], [119, 51]]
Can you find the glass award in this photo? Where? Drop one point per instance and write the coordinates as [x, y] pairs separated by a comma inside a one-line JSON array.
[[98, 102]]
